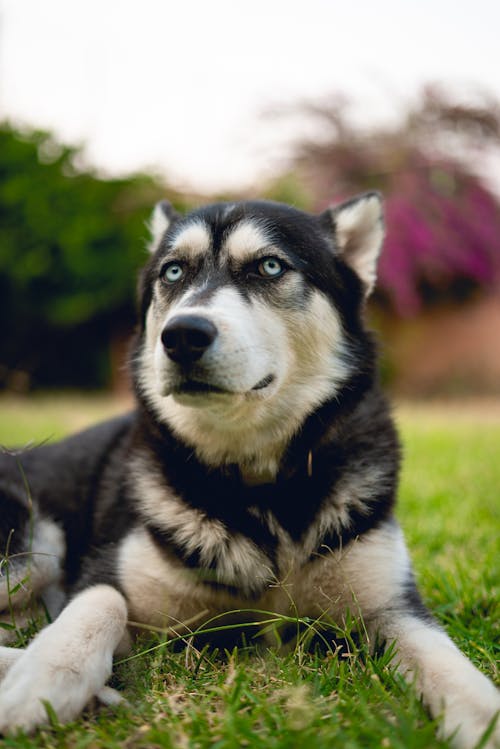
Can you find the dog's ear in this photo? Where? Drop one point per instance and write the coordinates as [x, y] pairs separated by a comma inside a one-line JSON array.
[[162, 217], [358, 231]]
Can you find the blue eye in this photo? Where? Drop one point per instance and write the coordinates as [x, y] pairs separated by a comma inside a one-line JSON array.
[[172, 272], [270, 267]]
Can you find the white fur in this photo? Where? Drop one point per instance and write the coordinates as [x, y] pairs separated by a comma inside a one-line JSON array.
[[161, 591], [364, 577], [452, 688], [110, 697], [35, 569], [156, 588], [237, 560], [158, 225], [23, 612], [303, 349], [352, 494], [246, 347], [359, 232], [192, 240], [8, 656], [67, 664], [245, 240]]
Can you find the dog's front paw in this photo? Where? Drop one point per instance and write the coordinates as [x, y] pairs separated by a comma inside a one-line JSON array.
[[67, 664], [38, 680], [468, 722]]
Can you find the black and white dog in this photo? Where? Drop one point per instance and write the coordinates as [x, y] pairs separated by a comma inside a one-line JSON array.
[[259, 469]]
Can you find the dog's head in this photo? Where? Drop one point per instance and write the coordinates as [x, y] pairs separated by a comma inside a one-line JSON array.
[[251, 318]]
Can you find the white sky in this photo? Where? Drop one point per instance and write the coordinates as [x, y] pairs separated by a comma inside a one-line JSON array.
[[179, 86]]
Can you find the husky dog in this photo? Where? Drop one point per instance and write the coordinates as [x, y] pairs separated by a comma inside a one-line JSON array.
[[259, 469]]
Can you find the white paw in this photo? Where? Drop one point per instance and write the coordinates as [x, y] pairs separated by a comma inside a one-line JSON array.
[[66, 665], [467, 721], [110, 697], [8, 656], [46, 677]]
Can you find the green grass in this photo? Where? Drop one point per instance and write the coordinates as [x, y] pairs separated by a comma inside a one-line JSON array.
[[25, 421], [449, 508]]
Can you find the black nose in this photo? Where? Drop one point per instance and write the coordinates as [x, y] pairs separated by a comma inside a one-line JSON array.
[[187, 337]]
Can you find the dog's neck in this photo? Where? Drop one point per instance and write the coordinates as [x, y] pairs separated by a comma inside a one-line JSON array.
[[261, 452], [255, 475], [253, 440], [253, 468], [259, 472], [273, 450], [255, 457]]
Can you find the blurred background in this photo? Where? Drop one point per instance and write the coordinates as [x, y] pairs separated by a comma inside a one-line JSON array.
[[108, 106]]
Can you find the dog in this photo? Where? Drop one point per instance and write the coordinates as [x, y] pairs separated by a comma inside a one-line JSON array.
[[259, 469]]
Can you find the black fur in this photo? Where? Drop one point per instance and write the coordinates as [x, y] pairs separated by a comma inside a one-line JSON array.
[[69, 482]]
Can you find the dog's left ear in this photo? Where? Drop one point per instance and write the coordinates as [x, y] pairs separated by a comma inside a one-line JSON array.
[[162, 217], [358, 232]]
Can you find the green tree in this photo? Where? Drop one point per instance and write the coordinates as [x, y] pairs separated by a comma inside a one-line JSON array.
[[70, 246]]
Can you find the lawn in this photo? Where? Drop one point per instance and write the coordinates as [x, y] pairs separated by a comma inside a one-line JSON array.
[[449, 508]]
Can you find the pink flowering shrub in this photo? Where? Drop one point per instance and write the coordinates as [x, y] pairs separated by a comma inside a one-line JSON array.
[[443, 238], [443, 223]]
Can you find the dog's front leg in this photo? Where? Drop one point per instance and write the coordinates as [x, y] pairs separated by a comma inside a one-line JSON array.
[[378, 582], [451, 687], [67, 664]]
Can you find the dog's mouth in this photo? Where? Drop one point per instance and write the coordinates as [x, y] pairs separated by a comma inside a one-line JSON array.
[[198, 387], [195, 387], [264, 382]]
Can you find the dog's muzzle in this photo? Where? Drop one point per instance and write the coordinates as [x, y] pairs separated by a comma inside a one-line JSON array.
[[185, 338]]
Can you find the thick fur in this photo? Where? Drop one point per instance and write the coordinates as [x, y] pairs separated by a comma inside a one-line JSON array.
[[259, 469]]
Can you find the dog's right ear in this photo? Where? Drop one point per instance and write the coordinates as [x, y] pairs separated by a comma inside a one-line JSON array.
[[162, 217]]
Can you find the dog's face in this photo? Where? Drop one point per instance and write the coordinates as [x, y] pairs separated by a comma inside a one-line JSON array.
[[250, 311]]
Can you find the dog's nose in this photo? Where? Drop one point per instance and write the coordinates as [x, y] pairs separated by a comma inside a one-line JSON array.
[[185, 338]]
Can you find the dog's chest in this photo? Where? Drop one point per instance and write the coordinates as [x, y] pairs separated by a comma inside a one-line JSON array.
[[164, 591], [183, 560]]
